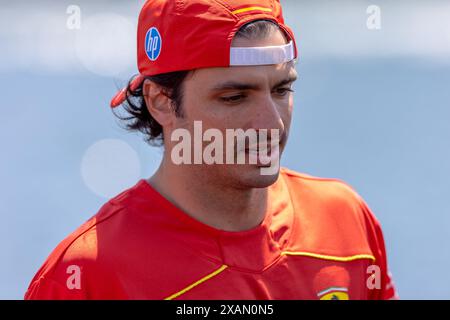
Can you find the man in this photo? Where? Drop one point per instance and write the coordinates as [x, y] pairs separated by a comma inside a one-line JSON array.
[[206, 226]]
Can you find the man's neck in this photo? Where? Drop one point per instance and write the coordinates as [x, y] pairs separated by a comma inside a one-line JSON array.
[[221, 207]]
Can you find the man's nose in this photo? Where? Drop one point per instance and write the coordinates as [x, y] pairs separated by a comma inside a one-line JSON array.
[[267, 115]]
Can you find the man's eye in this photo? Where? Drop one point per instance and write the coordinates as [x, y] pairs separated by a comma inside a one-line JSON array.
[[233, 99], [283, 91]]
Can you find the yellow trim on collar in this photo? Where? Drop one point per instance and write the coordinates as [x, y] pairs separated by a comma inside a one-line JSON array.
[[196, 283], [328, 257]]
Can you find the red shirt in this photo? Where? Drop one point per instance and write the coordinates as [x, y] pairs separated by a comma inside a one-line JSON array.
[[318, 240]]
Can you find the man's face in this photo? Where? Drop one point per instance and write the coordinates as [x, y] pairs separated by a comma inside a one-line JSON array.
[[253, 97]]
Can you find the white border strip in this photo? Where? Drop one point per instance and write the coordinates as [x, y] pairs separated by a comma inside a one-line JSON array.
[[332, 289], [254, 56]]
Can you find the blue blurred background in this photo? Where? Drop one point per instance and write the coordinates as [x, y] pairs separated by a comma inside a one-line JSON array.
[[372, 108]]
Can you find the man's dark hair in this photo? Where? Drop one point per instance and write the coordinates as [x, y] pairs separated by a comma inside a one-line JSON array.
[[138, 118]]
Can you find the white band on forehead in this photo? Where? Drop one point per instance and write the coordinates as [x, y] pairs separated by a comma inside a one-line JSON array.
[[254, 56]]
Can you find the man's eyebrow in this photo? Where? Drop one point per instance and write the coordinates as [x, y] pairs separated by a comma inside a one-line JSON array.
[[289, 80], [234, 85]]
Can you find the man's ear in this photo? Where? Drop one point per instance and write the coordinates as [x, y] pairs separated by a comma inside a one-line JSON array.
[[158, 104]]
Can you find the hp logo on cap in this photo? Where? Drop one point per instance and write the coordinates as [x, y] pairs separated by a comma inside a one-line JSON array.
[[153, 42]]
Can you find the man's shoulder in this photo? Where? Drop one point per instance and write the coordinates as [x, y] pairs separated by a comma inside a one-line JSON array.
[[332, 212], [322, 189], [88, 247], [83, 242], [133, 236]]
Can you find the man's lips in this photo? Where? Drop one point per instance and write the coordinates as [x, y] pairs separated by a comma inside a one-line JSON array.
[[262, 149], [258, 150], [263, 156]]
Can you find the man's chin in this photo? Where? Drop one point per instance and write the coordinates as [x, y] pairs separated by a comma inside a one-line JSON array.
[[252, 176]]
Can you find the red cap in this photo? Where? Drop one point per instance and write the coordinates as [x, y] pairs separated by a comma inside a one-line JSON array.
[[176, 35]]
